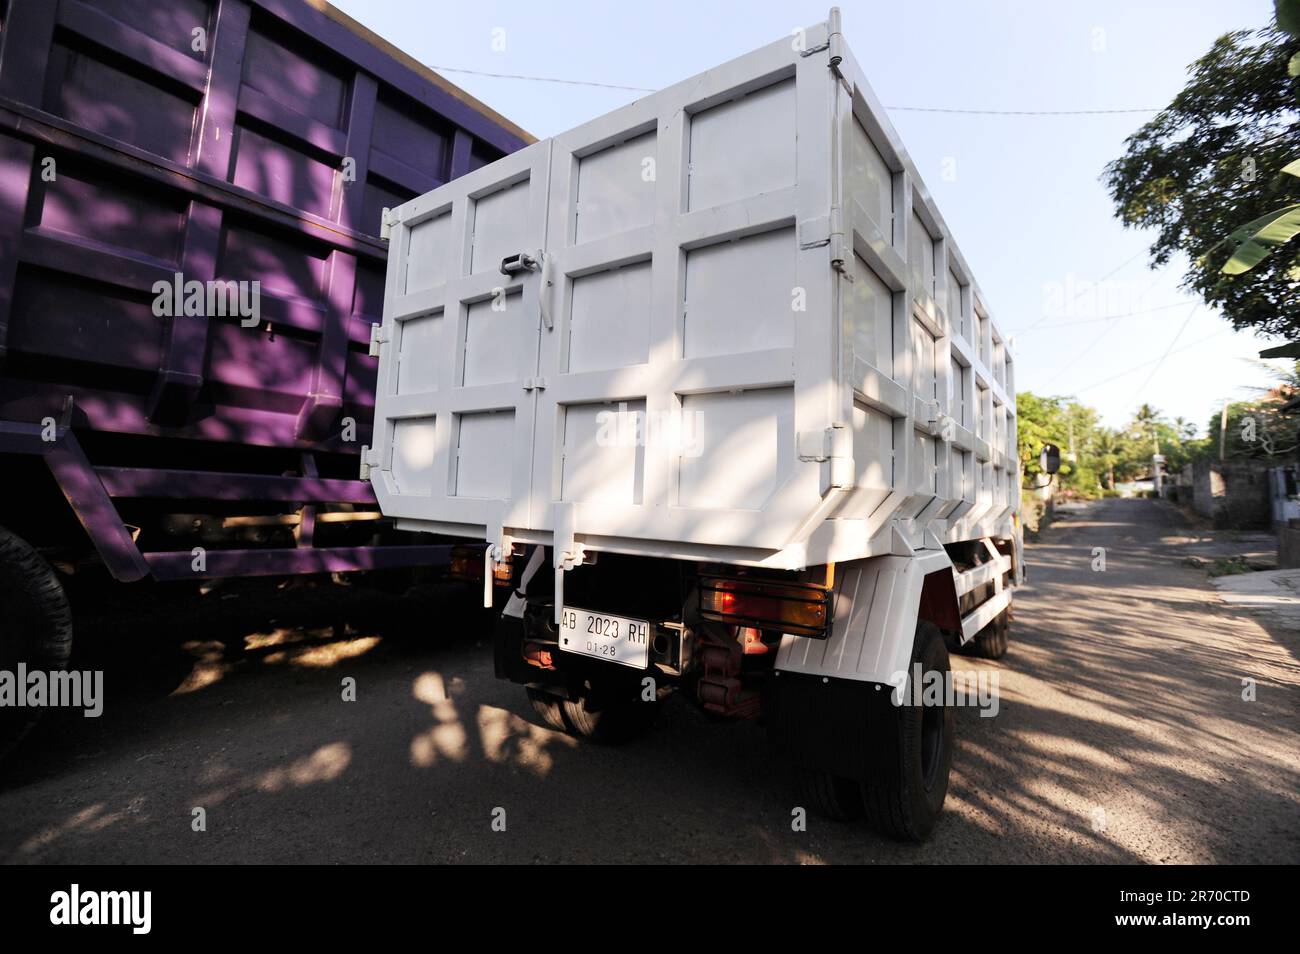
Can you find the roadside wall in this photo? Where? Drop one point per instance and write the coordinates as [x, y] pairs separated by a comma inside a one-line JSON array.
[[1233, 493]]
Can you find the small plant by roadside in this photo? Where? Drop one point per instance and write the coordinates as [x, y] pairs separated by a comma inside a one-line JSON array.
[[1220, 566], [1229, 566]]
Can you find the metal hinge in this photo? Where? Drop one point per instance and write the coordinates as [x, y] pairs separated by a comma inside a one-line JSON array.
[[832, 29], [386, 222], [835, 41], [827, 230], [814, 233], [833, 446], [377, 337], [839, 249], [369, 459], [531, 383]]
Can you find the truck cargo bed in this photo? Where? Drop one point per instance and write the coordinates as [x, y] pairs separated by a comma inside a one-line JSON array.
[[725, 322], [240, 141]]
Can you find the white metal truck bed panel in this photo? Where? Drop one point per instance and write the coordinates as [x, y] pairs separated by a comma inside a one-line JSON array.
[[731, 325]]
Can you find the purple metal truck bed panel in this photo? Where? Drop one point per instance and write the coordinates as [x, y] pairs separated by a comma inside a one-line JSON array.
[[231, 140]]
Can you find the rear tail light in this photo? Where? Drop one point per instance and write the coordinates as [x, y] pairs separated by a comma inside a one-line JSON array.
[[787, 607], [466, 566]]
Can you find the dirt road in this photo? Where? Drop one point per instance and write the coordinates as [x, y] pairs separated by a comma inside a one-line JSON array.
[[1122, 736]]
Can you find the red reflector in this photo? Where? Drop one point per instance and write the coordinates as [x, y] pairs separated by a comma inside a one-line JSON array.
[[751, 641], [535, 655]]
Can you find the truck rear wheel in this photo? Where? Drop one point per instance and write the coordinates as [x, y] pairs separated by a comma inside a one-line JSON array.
[[910, 750], [991, 641], [36, 628], [834, 796], [549, 708], [603, 713]]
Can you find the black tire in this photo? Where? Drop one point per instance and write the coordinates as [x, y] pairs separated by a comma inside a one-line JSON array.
[[548, 708], [833, 796], [610, 715], [990, 642], [910, 751], [607, 713], [35, 626]]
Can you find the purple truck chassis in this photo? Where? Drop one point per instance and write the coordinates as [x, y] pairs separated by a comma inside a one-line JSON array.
[[90, 492]]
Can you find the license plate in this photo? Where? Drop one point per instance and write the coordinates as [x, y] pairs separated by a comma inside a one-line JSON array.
[[615, 639]]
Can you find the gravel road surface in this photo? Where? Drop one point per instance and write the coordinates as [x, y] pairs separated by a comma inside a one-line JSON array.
[[1122, 736]]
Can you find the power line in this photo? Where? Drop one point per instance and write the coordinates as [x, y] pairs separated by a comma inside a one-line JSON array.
[[1112, 322], [1075, 359], [1139, 367], [542, 79], [1173, 341], [1086, 288], [900, 109], [1100, 318], [1020, 112]]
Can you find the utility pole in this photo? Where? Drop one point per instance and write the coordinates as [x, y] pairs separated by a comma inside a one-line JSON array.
[[1223, 431], [1156, 459]]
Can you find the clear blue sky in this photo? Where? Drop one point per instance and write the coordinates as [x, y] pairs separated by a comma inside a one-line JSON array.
[[1025, 203]]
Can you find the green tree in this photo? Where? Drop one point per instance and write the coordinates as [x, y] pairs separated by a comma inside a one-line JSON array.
[[1256, 240], [1109, 451], [1257, 428], [1057, 420], [1213, 160], [1101, 456], [1149, 423]]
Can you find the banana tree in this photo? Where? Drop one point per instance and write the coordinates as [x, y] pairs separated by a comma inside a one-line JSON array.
[[1256, 240]]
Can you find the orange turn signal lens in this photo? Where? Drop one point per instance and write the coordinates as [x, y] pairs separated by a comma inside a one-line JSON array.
[[788, 608]]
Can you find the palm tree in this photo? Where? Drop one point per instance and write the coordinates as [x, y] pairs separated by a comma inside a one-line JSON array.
[[1145, 422], [1109, 450]]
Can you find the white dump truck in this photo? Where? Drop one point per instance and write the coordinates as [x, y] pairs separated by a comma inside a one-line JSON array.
[[712, 383]]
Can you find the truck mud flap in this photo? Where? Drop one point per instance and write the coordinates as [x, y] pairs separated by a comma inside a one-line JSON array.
[[507, 641], [823, 724]]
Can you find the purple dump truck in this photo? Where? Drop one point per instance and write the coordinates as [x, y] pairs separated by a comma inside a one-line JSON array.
[[191, 260]]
